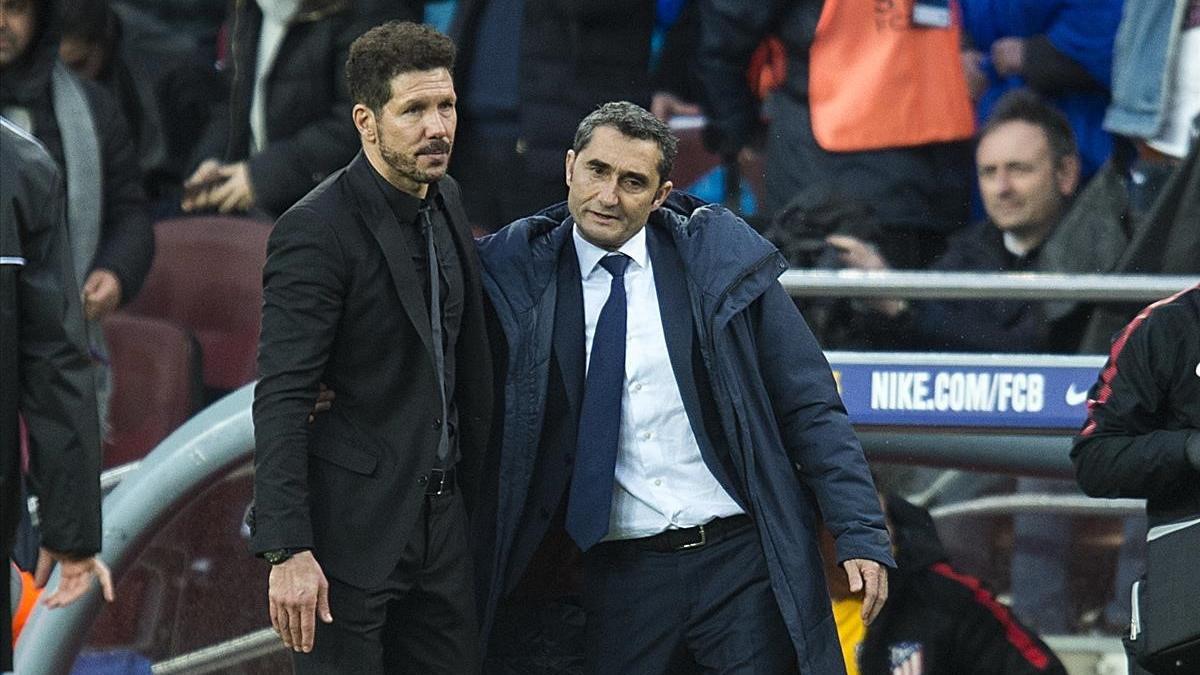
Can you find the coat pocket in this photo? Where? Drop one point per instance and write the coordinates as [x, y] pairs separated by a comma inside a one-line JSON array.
[[346, 453]]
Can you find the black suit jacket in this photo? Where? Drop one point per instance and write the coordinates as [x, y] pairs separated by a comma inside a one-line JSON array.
[[343, 305]]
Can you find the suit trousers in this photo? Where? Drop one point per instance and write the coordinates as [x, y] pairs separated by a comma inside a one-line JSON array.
[[420, 620], [703, 610]]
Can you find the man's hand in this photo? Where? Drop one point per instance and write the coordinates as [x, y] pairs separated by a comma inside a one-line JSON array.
[[871, 578], [1008, 56], [224, 187], [297, 593], [325, 397], [857, 254], [101, 294], [75, 577]]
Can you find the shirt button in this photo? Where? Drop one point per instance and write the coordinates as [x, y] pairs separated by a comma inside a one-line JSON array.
[[637, 386], [422, 479], [646, 436], [437, 423], [657, 482]]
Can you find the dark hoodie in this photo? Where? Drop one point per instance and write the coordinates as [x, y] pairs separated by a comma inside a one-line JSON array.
[[126, 244], [938, 621]]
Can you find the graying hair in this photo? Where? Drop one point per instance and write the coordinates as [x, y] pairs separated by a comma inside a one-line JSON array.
[[633, 121]]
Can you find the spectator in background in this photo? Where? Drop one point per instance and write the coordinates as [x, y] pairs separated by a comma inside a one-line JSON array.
[[288, 123], [528, 71], [1028, 171], [165, 90], [1062, 49], [47, 379], [1142, 435], [82, 128], [197, 20], [937, 621], [874, 102], [1156, 89]]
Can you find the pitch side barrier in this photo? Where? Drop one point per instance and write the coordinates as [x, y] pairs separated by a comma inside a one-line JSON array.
[[1009, 413]]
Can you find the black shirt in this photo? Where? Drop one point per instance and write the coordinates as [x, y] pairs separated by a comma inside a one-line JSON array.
[[410, 213]]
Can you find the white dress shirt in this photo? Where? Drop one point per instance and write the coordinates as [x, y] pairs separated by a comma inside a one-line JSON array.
[[661, 480]]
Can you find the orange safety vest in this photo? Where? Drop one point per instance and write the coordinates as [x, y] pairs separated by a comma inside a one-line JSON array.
[[877, 81], [25, 603]]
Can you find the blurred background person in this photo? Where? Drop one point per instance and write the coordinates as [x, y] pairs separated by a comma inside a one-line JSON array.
[[873, 101], [1061, 49], [938, 620], [528, 71], [287, 122], [164, 88], [81, 126], [47, 381]]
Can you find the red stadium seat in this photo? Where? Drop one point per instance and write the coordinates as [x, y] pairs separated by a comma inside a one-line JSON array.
[[207, 277], [694, 160], [156, 384]]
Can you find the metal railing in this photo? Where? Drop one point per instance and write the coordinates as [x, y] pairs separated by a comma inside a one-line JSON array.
[[983, 285]]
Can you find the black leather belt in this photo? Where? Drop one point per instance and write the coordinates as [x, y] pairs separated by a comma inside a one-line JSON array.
[[441, 482], [711, 532]]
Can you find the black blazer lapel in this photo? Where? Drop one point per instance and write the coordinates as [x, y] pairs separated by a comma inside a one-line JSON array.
[[380, 220], [569, 342]]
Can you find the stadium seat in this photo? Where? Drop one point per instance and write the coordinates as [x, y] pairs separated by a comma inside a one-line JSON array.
[[156, 383], [207, 277], [693, 160]]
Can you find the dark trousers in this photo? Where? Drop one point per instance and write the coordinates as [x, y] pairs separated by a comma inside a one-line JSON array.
[[703, 610], [499, 185], [420, 620]]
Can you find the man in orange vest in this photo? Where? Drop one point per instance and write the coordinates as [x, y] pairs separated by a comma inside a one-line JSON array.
[[874, 102]]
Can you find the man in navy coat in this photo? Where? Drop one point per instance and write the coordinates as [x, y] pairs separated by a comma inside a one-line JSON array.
[[666, 405]]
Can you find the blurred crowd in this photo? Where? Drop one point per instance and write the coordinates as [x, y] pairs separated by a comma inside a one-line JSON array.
[[961, 135]]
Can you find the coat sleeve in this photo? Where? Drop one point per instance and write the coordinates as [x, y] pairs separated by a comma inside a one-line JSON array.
[[126, 234], [730, 31], [816, 429], [58, 390], [303, 291], [1124, 449]]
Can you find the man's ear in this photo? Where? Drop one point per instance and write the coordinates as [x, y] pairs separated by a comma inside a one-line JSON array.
[[569, 166], [661, 196], [365, 122], [1067, 175]]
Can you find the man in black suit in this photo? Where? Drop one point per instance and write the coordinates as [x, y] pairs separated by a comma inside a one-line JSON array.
[[362, 513], [667, 407]]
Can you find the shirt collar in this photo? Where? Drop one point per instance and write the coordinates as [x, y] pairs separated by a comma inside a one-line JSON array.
[[403, 205], [589, 254]]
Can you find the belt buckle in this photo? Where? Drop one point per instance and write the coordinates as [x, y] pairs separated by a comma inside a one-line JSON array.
[[438, 475], [695, 544]]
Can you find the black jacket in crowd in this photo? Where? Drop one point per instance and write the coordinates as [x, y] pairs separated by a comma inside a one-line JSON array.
[[943, 618], [574, 56], [126, 245], [309, 128], [995, 325], [1144, 411], [47, 373]]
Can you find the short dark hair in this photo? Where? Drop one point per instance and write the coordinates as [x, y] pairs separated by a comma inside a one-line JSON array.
[[633, 121], [1023, 105], [388, 50], [87, 20]]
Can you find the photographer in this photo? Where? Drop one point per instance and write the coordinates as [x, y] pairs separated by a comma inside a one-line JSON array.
[[803, 232]]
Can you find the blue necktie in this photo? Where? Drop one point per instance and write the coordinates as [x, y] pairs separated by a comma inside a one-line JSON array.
[[600, 419]]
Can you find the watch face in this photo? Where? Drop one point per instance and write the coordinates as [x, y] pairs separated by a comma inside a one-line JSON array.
[[276, 557]]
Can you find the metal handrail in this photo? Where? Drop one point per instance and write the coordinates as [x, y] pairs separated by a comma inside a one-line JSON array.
[[222, 655], [982, 285], [1049, 504]]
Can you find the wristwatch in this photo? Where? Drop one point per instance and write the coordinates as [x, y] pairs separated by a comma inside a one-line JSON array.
[[280, 555]]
